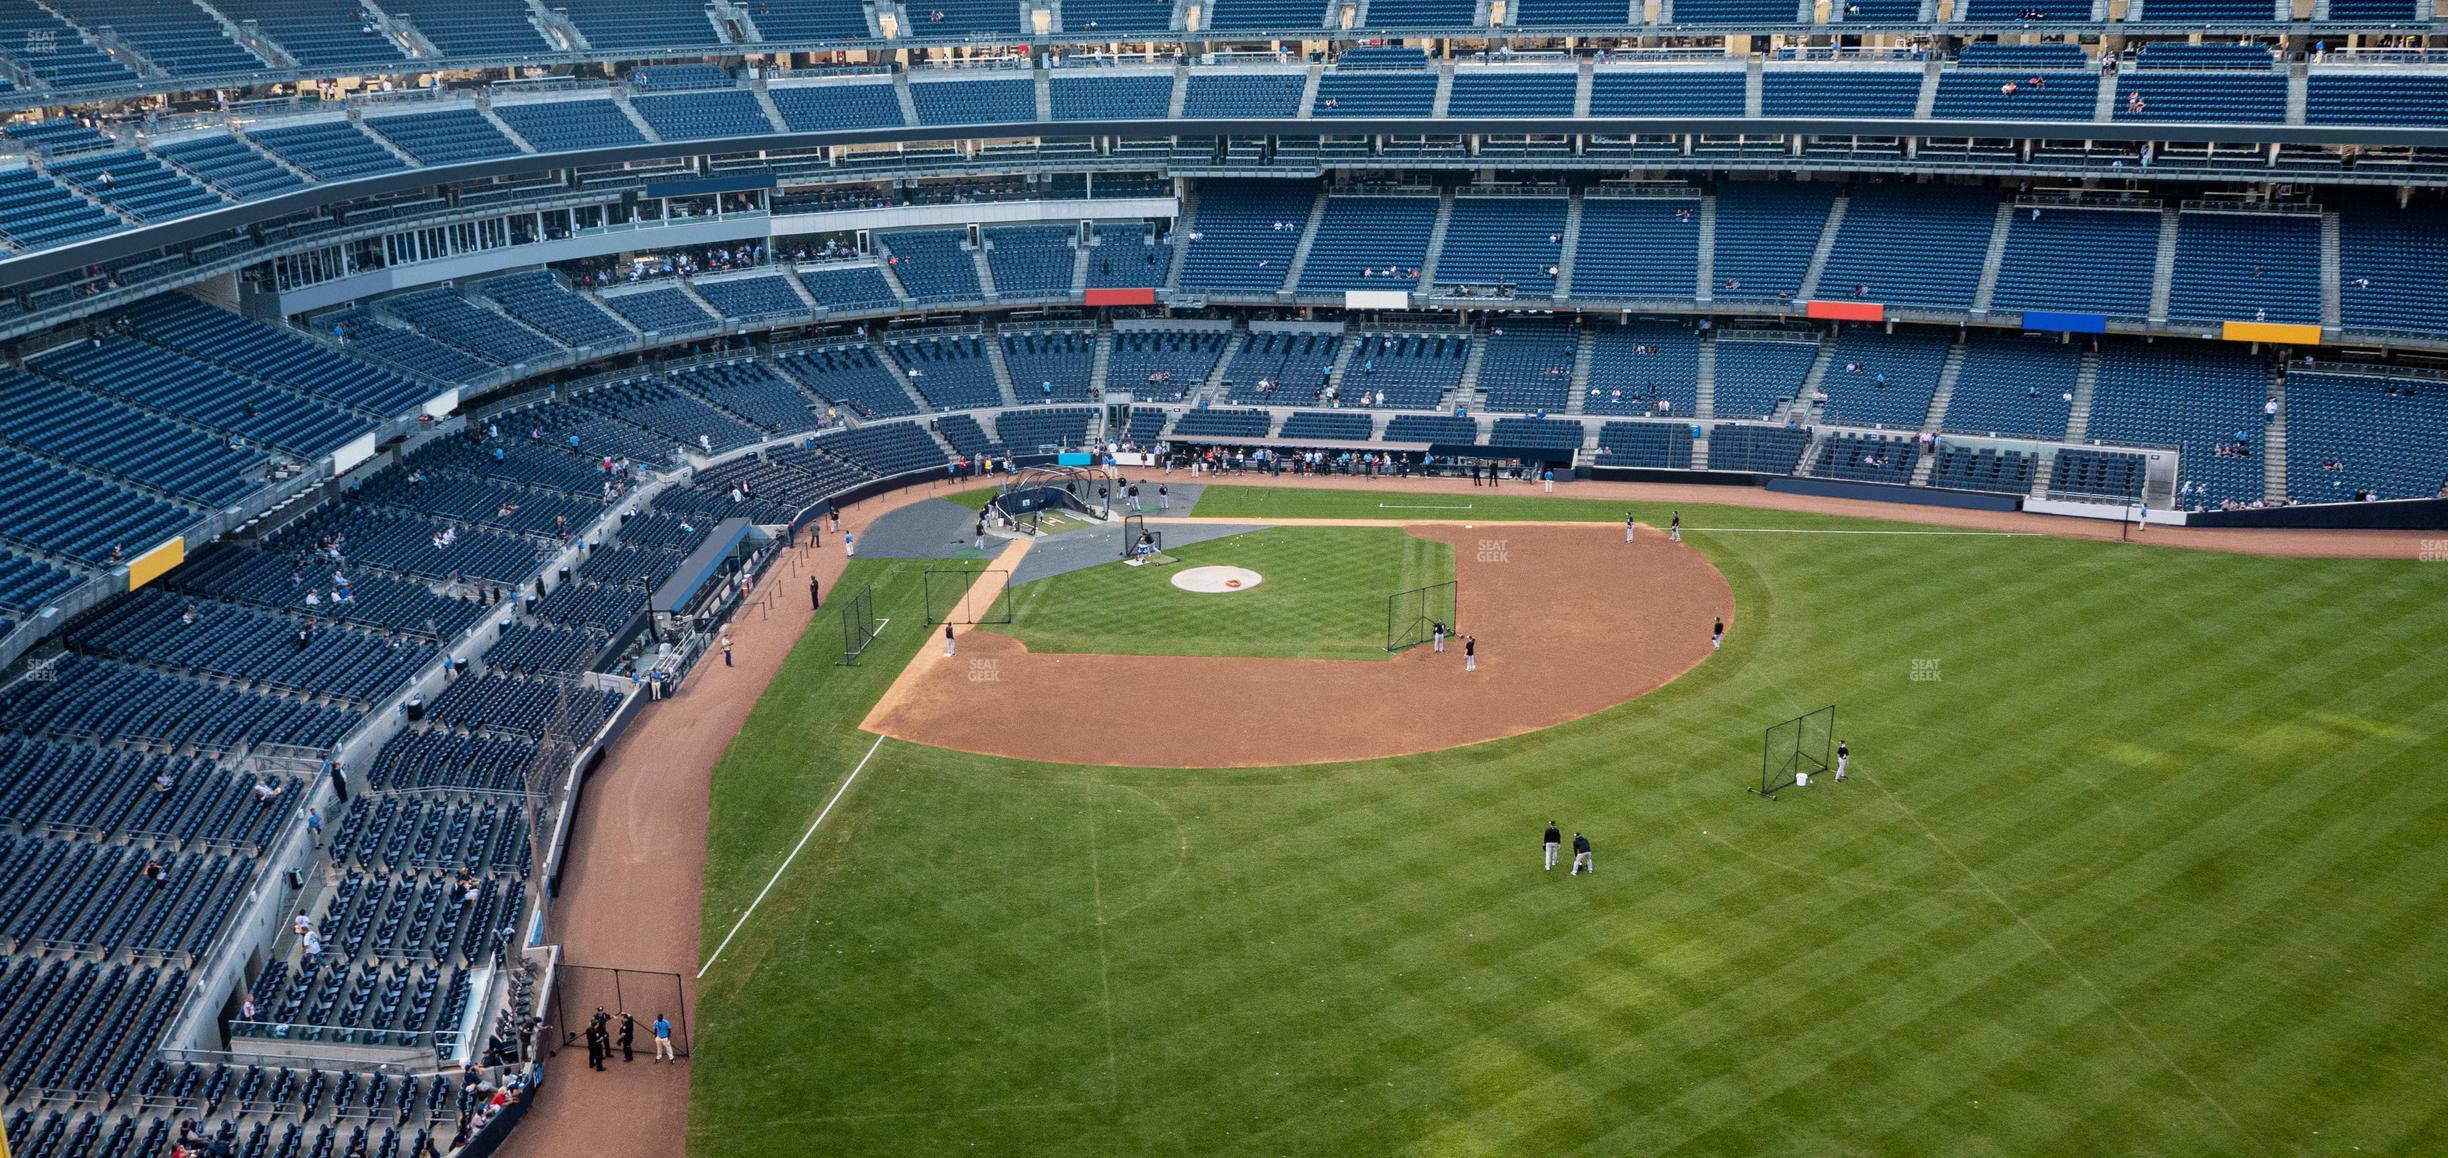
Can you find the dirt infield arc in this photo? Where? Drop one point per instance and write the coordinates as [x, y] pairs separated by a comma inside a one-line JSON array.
[[1570, 620]]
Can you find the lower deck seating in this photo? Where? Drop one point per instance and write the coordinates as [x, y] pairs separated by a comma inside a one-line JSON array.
[[1983, 469], [1666, 445]]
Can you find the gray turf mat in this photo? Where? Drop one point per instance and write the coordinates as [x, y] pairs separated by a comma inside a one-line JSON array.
[[933, 529]]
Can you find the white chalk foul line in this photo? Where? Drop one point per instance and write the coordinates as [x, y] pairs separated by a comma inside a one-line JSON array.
[[1420, 507], [786, 861], [1818, 531]]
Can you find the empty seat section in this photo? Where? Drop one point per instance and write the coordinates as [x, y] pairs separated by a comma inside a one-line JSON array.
[[1637, 247], [950, 372], [2193, 398], [2369, 433], [2247, 267], [756, 298], [1663, 93], [850, 377], [328, 151], [856, 287], [2014, 387], [1528, 366], [620, 24], [1370, 93], [1163, 364], [1052, 365], [320, 34], [1512, 242], [1967, 94], [1754, 376], [693, 116], [1261, 96], [1511, 93], [933, 264], [974, 102], [2375, 98], [227, 164], [1766, 233], [1802, 92], [1654, 445], [1243, 234], [1031, 261], [539, 299], [446, 137], [1881, 379], [2391, 263], [1947, 230], [1133, 96], [1403, 371], [2094, 261], [1370, 243], [817, 108], [1648, 368], [566, 125]]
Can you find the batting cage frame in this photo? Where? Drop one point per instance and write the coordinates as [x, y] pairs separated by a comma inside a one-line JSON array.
[[860, 627], [579, 990], [1134, 526], [948, 597], [1794, 748], [1412, 616]]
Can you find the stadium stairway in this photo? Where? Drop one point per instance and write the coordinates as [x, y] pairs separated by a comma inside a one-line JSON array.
[[1803, 409], [892, 366], [985, 269], [1572, 246], [764, 95], [1704, 385], [484, 108], [2163, 268], [1309, 228], [1983, 293], [620, 100], [1436, 242], [1079, 267], [1827, 245], [2274, 441], [1102, 366], [1215, 376], [1181, 90], [1189, 213], [2331, 313], [1342, 363], [1466, 390], [1706, 268], [900, 291], [1585, 353], [2086, 382], [1002, 368], [901, 92]]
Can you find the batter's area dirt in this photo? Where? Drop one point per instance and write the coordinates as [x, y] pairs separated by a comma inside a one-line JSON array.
[[1570, 619]]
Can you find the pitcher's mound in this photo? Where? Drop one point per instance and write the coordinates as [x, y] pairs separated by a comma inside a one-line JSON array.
[[1216, 580]]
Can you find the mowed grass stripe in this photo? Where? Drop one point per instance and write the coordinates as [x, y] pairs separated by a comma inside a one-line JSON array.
[[1365, 959]]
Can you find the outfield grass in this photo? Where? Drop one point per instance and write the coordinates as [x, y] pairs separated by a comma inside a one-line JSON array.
[[1323, 596], [2151, 866]]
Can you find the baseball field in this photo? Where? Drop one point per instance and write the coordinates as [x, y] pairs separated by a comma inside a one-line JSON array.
[[2141, 853]]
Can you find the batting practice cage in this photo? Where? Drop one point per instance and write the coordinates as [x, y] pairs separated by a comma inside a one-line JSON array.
[[1134, 528], [1041, 488], [859, 625], [1801, 746], [948, 600], [1412, 616]]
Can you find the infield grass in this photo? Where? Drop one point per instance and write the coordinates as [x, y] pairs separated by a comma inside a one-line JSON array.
[[2142, 856], [1322, 595]]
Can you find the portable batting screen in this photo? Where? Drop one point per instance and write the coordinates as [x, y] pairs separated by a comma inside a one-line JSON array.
[[1799, 746], [949, 598], [859, 625], [1412, 616]]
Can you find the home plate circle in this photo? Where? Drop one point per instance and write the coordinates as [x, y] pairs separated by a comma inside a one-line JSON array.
[[1216, 580]]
